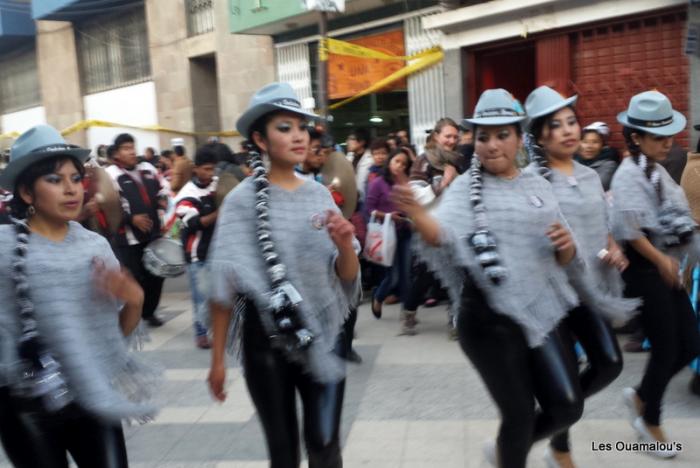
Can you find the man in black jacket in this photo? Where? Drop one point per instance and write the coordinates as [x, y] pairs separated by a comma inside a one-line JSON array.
[[142, 196]]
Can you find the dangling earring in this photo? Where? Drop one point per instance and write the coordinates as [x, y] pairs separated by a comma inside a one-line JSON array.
[[31, 211]]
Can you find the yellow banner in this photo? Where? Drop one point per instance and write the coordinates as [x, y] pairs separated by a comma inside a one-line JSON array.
[[354, 50], [426, 60], [11, 135], [85, 124]]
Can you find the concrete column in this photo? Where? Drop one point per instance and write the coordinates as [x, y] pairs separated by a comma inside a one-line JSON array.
[[167, 38], [59, 77], [244, 63], [454, 84]]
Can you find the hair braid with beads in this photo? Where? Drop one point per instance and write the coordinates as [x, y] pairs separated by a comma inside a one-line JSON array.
[[482, 241]]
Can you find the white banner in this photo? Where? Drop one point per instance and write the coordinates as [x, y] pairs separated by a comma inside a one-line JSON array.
[[334, 6]]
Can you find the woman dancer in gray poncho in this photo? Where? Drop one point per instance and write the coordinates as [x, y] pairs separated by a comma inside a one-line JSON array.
[[284, 251], [497, 241], [66, 378], [652, 220], [556, 134]]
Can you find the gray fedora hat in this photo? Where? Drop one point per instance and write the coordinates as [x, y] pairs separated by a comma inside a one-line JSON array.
[[271, 98], [544, 101], [37, 143], [496, 107], [651, 112]]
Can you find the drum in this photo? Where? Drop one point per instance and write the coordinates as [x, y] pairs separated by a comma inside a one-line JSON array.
[[101, 189], [164, 258]]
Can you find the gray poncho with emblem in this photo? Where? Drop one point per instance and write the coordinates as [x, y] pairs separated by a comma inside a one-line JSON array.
[[584, 206], [304, 246], [638, 211], [77, 323], [536, 293]]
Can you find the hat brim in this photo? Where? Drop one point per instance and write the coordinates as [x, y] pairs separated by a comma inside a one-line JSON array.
[[676, 126], [495, 121], [551, 109], [251, 115], [15, 168]]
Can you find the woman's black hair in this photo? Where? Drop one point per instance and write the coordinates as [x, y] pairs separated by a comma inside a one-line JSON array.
[[536, 126], [633, 147], [30, 175], [518, 128], [387, 173]]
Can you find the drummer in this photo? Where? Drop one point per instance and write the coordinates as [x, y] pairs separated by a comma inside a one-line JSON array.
[[196, 207], [315, 158], [142, 195]]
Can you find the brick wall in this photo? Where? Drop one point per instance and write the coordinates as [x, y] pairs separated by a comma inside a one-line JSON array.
[[611, 63]]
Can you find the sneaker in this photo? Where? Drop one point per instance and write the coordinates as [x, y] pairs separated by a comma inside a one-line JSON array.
[[489, 450], [203, 342], [629, 395], [663, 450], [153, 321], [431, 302], [550, 459]]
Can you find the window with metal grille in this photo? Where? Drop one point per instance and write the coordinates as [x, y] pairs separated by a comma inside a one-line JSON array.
[[19, 80], [113, 51], [200, 16]]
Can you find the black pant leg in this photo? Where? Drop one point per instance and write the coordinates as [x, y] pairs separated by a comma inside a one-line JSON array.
[[95, 443], [349, 330], [152, 288], [323, 405], [556, 384], [659, 321], [497, 348], [420, 281], [29, 442], [270, 381], [604, 358]]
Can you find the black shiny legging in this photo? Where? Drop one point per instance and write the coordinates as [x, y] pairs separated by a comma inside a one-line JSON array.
[[272, 382], [41, 441], [604, 357], [669, 322], [517, 375]]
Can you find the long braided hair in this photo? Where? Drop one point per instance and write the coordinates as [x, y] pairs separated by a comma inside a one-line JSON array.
[[482, 241], [677, 226], [288, 332], [41, 378]]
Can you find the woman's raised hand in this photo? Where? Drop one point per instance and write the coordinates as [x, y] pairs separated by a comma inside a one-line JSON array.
[[116, 283]]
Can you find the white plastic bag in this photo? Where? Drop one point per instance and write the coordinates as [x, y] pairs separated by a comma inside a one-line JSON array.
[[380, 243]]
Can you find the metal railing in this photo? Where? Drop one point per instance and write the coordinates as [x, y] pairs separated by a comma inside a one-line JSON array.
[[200, 16], [113, 52]]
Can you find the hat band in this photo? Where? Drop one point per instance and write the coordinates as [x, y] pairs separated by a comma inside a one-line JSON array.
[[496, 112], [288, 102], [55, 148], [649, 123]]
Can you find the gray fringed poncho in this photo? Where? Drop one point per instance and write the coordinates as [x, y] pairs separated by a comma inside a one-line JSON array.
[[636, 208], [306, 249], [79, 325], [536, 293], [583, 204]]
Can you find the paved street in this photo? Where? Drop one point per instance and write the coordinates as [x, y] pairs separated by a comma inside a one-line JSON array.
[[414, 402]]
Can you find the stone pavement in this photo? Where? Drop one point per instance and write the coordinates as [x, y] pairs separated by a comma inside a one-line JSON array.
[[415, 402]]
